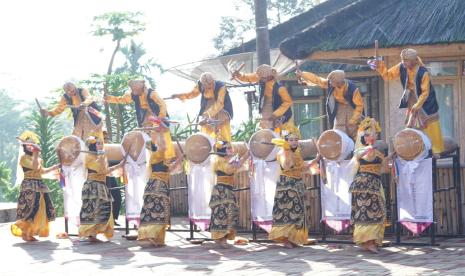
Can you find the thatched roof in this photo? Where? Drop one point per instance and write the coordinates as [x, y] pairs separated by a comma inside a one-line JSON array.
[[294, 25], [392, 22]]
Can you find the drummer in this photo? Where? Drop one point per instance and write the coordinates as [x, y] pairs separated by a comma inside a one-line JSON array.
[[344, 104], [275, 103], [419, 96], [216, 109], [150, 113], [86, 113]]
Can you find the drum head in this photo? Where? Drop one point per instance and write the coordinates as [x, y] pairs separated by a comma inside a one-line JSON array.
[[257, 148], [197, 148], [133, 143], [330, 145], [68, 150], [308, 148], [408, 144], [113, 152]]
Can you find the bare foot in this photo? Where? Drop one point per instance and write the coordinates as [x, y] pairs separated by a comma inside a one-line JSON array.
[[289, 244], [93, 239], [372, 247], [29, 238], [155, 243]]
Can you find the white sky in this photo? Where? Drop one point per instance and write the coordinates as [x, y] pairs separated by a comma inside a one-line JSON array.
[[44, 43]]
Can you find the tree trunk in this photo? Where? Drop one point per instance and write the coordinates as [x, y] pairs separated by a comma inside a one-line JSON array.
[[105, 89], [261, 29]]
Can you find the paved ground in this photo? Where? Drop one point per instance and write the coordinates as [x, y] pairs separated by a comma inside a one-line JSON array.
[[121, 257]]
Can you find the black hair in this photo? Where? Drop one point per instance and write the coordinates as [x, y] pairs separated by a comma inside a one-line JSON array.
[[221, 151], [153, 147], [26, 151], [93, 147]]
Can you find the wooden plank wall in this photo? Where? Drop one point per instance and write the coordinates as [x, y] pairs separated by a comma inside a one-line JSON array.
[[445, 205]]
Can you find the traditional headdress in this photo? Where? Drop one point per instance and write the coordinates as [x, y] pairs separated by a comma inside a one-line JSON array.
[[336, 76], [29, 137], [290, 131], [266, 71], [409, 54], [92, 140], [367, 126]]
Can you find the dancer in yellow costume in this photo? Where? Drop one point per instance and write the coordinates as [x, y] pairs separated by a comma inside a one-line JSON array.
[[289, 219], [344, 104], [86, 113], [96, 211], [275, 103], [368, 202], [419, 96], [215, 107], [35, 208], [150, 111], [155, 213]]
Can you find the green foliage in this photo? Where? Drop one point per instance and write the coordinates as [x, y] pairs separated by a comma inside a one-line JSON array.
[[234, 28], [7, 192], [245, 131], [119, 25], [12, 122], [49, 132], [180, 132]]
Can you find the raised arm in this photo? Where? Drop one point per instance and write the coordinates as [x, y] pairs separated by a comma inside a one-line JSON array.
[[358, 101], [59, 108], [252, 77], [125, 99], [161, 103], [189, 95], [388, 74], [310, 77]]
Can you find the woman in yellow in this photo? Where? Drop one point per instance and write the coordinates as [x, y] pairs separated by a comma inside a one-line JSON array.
[[96, 213], [215, 107], [344, 104], [155, 213], [289, 219], [275, 103], [419, 96], [368, 201], [225, 212], [150, 111], [35, 208]]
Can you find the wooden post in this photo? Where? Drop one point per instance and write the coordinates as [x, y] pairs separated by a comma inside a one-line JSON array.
[[261, 29]]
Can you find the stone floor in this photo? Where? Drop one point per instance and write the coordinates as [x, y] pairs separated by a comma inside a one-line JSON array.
[[52, 256]]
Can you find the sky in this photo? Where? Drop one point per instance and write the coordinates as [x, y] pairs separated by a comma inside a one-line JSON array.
[[45, 43]]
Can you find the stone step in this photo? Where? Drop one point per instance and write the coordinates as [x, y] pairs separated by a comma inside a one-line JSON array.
[[7, 211]]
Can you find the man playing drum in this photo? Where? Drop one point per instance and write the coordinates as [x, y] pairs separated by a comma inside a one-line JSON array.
[[150, 109], [85, 111], [419, 96], [275, 103], [215, 106], [344, 105]]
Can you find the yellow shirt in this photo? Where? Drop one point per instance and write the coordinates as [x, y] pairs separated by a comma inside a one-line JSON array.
[[283, 93], [76, 101], [99, 166], [222, 165], [155, 158], [291, 163], [26, 161], [127, 99], [394, 74], [208, 94], [338, 92]]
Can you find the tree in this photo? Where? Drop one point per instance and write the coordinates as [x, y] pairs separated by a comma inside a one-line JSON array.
[[120, 26], [233, 28], [7, 192]]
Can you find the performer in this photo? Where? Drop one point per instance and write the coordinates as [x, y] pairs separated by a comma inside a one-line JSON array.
[[289, 219], [419, 96], [344, 104], [155, 213], [216, 108], [96, 211], [35, 208], [150, 110], [113, 183], [368, 202], [86, 113], [225, 211], [275, 103]]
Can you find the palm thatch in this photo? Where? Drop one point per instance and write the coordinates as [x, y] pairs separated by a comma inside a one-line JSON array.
[[391, 22], [294, 25]]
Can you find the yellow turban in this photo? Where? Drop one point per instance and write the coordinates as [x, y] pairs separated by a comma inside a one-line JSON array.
[[29, 137], [266, 71], [408, 54]]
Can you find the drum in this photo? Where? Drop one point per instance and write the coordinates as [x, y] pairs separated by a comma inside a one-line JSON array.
[[113, 152], [335, 145], [68, 149], [308, 148], [133, 143], [450, 145], [411, 143], [198, 147], [260, 144], [239, 148]]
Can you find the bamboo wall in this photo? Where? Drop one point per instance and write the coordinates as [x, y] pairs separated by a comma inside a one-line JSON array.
[[445, 205]]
